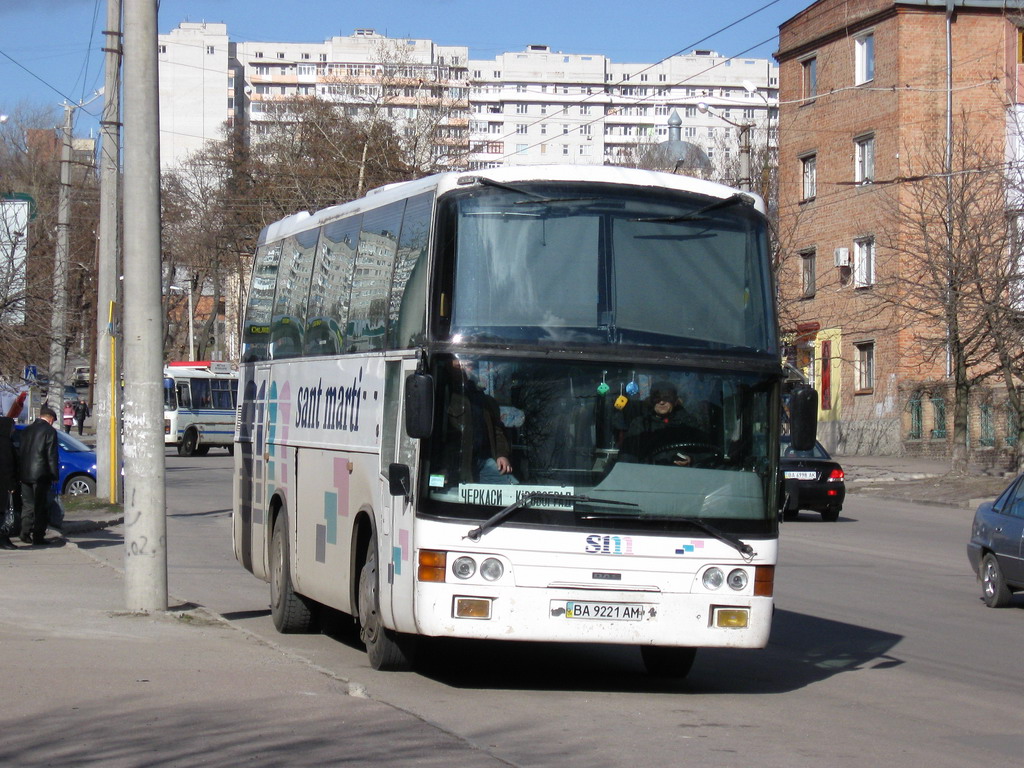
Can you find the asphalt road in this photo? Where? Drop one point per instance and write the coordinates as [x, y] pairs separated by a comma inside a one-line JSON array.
[[882, 653]]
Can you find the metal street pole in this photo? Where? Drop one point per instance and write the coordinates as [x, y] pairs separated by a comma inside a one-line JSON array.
[[58, 314], [145, 507], [107, 375]]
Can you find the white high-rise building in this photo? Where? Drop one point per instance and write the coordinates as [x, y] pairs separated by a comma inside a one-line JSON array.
[[530, 107]]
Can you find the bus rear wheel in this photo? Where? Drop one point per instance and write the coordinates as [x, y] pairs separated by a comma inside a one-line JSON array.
[[387, 650], [292, 613], [666, 661]]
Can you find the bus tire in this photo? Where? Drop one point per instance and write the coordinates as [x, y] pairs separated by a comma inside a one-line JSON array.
[[292, 613], [189, 443], [387, 650], [667, 661], [202, 450]]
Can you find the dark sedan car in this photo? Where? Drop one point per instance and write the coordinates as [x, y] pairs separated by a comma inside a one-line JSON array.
[[813, 480], [996, 548]]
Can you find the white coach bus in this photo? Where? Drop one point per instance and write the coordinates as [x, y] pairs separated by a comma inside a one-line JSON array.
[[537, 404], [199, 406]]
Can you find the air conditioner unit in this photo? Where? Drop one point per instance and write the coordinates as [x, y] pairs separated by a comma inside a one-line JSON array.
[[842, 257]]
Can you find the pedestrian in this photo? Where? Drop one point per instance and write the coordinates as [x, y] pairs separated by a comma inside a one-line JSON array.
[[82, 412], [69, 416], [40, 465], [10, 492]]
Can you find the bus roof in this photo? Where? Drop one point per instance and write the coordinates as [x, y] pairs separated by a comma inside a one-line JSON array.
[[444, 182]]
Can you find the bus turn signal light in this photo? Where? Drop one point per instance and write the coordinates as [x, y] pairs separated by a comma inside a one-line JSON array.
[[764, 580], [432, 565]]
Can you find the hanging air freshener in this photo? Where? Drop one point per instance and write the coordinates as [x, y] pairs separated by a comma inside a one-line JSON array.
[[632, 389], [602, 388], [621, 400]]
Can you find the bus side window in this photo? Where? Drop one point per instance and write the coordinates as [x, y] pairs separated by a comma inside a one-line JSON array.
[[331, 288], [184, 396], [371, 284], [201, 394], [407, 311]]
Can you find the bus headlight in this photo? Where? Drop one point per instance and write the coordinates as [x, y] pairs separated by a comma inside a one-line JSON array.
[[464, 567], [738, 579], [492, 569], [713, 578]]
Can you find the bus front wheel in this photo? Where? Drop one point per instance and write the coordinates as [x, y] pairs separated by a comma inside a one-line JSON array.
[[189, 443], [386, 649], [291, 612], [666, 661]]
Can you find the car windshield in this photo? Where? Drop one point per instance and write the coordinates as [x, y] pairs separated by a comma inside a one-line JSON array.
[[598, 265], [646, 445]]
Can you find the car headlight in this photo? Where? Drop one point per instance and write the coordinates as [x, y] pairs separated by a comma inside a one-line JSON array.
[[464, 567], [738, 579], [491, 569], [713, 578]]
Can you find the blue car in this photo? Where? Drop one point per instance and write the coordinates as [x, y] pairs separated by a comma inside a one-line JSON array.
[[77, 465], [996, 548]]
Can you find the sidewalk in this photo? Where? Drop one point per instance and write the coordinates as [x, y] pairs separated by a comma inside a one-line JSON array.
[[85, 683]]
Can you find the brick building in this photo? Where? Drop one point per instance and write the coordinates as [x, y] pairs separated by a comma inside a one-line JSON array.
[[869, 92]]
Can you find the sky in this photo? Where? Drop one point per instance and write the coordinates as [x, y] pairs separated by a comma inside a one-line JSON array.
[[50, 50]]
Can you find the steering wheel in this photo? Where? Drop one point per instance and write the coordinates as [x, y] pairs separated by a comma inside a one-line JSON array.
[[672, 453]]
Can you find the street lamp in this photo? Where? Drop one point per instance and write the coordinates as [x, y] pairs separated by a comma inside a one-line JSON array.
[[744, 128], [191, 330]]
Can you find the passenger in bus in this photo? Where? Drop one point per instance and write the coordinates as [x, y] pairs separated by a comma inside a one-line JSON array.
[[654, 435], [477, 445]]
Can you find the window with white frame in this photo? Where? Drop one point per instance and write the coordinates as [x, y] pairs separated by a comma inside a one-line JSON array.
[[521, 128], [864, 262], [809, 176], [522, 109], [865, 366], [808, 269], [865, 57], [865, 169]]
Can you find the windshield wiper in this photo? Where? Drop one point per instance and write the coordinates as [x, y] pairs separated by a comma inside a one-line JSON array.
[[498, 517], [465, 180], [727, 202], [744, 549]]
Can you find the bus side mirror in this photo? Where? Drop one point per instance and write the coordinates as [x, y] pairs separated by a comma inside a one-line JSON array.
[[399, 478], [803, 418], [419, 405]]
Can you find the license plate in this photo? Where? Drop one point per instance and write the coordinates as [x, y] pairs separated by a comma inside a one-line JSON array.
[[801, 475], [576, 609]]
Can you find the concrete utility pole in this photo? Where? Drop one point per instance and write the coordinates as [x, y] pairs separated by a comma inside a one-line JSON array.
[[106, 376], [61, 260], [145, 510]]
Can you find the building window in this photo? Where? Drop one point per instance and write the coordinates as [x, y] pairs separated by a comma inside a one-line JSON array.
[[565, 149], [522, 109], [810, 78], [916, 416], [809, 174], [865, 46], [938, 417], [864, 262], [521, 149], [521, 128], [865, 366], [210, 50], [808, 260], [865, 170]]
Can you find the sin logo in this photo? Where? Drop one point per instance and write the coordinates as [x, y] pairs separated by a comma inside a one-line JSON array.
[[609, 545]]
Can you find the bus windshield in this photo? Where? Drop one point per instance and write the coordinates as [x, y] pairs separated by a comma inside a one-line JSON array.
[[581, 264], [661, 445]]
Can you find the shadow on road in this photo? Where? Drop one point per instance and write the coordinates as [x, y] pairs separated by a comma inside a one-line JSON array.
[[803, 650]]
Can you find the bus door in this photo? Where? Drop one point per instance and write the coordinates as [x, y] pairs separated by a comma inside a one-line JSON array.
[[395, 534], [251, 533]]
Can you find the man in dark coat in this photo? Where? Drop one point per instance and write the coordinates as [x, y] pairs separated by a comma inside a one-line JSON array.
[[40, 466], [662, 426], [10, 490]]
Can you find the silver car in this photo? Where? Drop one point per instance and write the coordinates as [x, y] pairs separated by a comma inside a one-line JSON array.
[[996, 548]]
